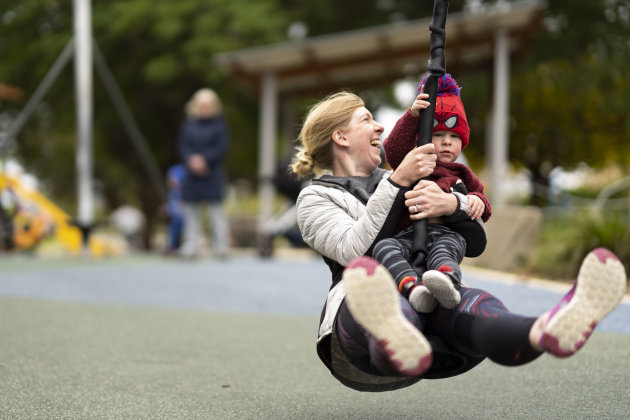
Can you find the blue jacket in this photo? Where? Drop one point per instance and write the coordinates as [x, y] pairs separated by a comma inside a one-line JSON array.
[[209, 138]]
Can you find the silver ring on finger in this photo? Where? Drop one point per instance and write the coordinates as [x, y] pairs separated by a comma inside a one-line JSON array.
[[415, 208]]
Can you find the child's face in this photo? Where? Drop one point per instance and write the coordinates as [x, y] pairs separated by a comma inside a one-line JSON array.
[[448, 146]]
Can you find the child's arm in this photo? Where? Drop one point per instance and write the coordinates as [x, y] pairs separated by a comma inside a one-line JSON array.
[[476, 206], [477, 200], [486, 210], [403, 136], [419, 104]]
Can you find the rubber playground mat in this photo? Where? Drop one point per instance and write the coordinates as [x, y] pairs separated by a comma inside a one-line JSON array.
[[75, 360]]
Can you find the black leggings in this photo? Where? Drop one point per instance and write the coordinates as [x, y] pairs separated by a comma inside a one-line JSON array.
[[479, 326]]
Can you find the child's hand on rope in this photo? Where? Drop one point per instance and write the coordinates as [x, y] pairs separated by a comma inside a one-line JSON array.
[[419, 104]]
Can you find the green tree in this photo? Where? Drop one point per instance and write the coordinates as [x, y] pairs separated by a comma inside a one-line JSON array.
[[159, 53], [568, 101], [569, 98], [325, 16]]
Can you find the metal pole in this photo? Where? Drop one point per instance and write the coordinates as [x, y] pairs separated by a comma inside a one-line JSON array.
[[36, 98], [83, 87], [501, 103], [129, 122], [267, 146]]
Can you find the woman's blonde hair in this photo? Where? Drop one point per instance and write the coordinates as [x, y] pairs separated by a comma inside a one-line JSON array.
[[201, 97], [315, 154]]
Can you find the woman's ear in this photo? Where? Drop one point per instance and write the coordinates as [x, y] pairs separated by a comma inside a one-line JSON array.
[[339, 138]]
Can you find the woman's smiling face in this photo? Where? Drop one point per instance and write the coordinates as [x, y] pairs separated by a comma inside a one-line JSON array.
[[364, 137]]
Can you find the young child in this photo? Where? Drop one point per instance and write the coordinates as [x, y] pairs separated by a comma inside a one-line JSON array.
[[445, 247], [174, 207]]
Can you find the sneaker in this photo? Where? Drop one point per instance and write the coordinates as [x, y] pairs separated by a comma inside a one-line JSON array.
[[442, 286], [421, 299], [599, 288], [374, 302]]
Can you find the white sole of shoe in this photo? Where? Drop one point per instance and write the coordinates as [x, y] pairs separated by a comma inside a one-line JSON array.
[[422, 300], [442, 289], [373, 301], [599, 288]]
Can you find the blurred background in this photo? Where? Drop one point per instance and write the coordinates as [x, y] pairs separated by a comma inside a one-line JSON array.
[[546, 86]]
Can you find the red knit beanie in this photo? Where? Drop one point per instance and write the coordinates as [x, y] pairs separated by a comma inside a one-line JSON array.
[[449, 109]]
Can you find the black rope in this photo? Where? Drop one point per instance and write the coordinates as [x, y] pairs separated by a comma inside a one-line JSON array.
[[436, 69]]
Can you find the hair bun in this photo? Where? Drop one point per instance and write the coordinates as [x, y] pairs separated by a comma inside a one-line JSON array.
[[303, 164]]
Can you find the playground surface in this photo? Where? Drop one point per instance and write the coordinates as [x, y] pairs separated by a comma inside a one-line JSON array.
[[151, 338]]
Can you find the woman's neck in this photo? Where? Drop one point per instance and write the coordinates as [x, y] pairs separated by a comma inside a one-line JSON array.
[[344, 166]]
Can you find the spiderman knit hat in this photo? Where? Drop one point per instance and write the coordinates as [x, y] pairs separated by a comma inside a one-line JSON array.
[[449, 109]]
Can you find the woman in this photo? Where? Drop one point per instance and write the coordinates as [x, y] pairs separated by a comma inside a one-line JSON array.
[[203, 142], [369, 337]]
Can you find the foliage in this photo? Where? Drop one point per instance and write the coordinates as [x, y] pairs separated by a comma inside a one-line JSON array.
[[568, 101], [569, 96], [159, 53], [325, 16], [565, 241]]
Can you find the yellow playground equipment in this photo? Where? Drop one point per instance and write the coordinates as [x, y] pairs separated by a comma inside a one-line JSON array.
[[36, 217]]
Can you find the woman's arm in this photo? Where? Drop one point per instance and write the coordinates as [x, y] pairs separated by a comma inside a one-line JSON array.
[[417, 163], [431, 202], [217, 146], [183, 142], [195, 162], [337, 225]]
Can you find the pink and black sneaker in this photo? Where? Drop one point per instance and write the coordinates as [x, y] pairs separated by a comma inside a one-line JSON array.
[[374, 302], [599, 288]]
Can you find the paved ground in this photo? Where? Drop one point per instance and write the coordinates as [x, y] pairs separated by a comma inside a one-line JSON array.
[[147, 338]]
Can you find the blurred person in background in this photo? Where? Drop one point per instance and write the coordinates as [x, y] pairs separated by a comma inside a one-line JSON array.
[[129, 221], [8, 210], [284, 223], [174, 209], [203, 142]]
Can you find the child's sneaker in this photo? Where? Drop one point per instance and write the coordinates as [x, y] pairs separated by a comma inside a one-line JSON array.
[[599, 288], [421, 299], [442, 286], [374, 302]]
